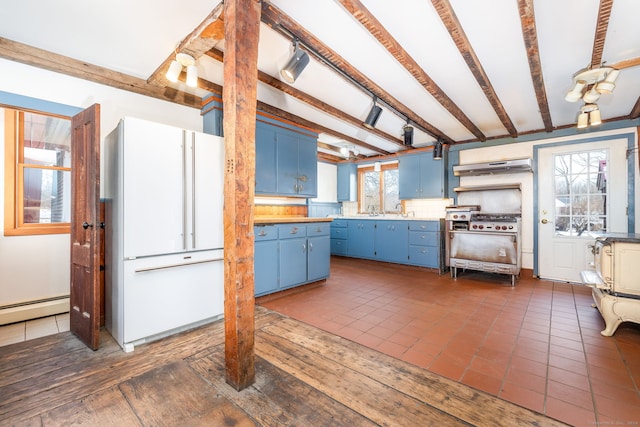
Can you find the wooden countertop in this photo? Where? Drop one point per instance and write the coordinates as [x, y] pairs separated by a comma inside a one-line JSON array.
[[288, 219]]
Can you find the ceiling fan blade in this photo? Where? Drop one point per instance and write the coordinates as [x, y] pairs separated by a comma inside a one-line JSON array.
[[625, 64]]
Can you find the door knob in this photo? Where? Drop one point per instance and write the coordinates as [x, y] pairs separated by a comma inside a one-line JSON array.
[[544, 220]]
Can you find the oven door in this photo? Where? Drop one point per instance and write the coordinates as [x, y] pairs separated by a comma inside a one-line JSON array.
[[604, 264], [500, 248]]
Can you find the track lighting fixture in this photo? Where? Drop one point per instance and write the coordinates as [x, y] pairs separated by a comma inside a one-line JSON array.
[[437, 150], [296, 64], [183, 60], [374, 115], [407, 131]]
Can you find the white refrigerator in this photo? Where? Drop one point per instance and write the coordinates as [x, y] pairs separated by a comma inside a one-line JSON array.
[[163, 227]]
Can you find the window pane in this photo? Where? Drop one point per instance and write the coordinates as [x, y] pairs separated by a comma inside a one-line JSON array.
[[47, 140], [581, 193], [47, 196], [372, 191], [391, 191]]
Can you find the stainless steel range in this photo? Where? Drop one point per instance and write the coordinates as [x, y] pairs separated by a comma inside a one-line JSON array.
[[483, 241]]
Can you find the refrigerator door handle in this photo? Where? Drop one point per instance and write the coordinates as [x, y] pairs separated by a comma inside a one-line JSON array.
[[182, 264], [184, 190], [193, 190]]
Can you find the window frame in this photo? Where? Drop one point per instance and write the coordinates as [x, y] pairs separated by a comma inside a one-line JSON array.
[[361, 180], [13, 179]]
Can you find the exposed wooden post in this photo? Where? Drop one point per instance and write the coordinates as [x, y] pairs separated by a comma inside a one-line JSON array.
[[242, 31]]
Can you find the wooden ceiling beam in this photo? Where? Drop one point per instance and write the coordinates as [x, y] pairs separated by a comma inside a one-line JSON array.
[[529, 33], [285, 25], [627, 63], [386, 39], [635, 111], [200, 40], [453, 25], [604, 12], [33, 56]]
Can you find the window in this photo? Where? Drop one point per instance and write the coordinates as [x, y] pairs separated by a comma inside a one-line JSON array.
[[378, 191], [37, 173], [581, 193]]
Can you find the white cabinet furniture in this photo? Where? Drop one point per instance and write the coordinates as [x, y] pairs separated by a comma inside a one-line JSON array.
[[164, 238]]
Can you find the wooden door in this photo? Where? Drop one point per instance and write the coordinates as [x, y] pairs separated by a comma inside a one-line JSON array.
[[85, 226]]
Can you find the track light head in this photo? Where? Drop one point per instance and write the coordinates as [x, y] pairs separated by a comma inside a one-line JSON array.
[[437, 150], [407, 131], [373, 116], [295, 65]]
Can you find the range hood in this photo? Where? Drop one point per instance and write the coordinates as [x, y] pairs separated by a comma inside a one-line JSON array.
[[489, 168]]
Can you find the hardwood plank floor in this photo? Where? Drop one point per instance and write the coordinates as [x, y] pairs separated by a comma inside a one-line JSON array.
[[304, 377]]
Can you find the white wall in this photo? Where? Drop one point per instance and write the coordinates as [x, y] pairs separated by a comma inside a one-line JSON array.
[[327, 183], [525, 149], [35, 267]]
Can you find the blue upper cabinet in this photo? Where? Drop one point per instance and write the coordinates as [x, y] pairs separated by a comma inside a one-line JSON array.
[[347, 182], [286, 162], [266, 161], [286, 155], [422, 177]]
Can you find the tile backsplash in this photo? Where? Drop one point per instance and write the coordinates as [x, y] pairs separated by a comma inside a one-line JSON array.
[[422, 208]]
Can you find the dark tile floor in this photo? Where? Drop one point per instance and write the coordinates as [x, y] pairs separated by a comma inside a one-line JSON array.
[[537, 344]]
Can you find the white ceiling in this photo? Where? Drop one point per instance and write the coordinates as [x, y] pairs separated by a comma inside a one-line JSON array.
[[136, 37]]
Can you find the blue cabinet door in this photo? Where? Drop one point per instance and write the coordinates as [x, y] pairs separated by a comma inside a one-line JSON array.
[[266, 162], [307, 166], [392, 241], [409, 185], [347, 182], [293, 262], [318, 256], [422, 177], [361, 238], [432, 177], [287, 169], [266, 267]]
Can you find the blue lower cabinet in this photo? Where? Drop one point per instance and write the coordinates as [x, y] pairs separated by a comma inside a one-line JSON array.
[[293, 262], [318, 262], [426, 245], [425, 256], [391, 241], [361, 237], [266, 259], [266, 267], [401, 241], [339, 236], [288, 255]]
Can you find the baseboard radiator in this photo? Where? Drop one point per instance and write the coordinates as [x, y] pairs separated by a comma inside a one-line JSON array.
[[33, 309]]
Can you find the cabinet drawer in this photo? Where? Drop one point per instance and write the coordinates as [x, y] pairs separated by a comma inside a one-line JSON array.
[[265, 232], [426, 256], [424, 225], [338, 233], [339, 246], [339, 223], [289, 231], [426, 238], [318, 229]]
